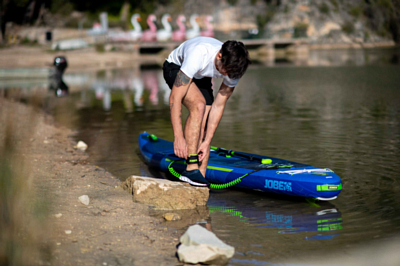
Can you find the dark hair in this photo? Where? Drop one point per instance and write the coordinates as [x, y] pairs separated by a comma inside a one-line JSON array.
[[235, 58]]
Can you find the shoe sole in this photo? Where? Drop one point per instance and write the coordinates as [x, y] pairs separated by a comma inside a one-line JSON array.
[[187, 180]]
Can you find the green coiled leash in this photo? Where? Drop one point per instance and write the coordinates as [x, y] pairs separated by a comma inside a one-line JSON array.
[[214, 186]]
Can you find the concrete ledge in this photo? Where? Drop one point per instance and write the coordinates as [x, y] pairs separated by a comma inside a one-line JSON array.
[[164, 194]]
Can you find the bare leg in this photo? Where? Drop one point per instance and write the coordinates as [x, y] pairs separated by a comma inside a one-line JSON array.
[[195, 103], [203, 164], [204, 123]]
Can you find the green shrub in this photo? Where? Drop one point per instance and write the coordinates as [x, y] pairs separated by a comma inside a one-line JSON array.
[[324, 8], [232, 2], [348, 27], [286, 9], [25, 40], [382, 32], [335, 4], [100, 48], [385, 3], [262, 20], [356, 11], [366, 36], [300, 30]]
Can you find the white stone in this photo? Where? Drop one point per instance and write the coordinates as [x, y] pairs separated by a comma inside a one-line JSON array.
[[84, 199], [68, 232], [198, 245], [58, 215], [81, 145]]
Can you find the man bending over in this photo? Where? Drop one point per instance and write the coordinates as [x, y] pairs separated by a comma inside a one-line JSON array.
[[188, 71]]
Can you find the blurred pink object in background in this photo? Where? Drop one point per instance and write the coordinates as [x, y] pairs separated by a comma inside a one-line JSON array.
[[209, 31], [150, 34], [180, 35]]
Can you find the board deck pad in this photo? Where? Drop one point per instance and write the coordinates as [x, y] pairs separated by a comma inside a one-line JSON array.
[[287, 177]]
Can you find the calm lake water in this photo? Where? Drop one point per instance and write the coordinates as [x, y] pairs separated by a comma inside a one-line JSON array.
[[339, 110]]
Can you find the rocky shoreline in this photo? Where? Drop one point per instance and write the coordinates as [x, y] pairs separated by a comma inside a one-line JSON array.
[[110, 230]]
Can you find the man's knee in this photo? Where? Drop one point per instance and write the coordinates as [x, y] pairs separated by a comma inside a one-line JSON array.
[[201, 107]]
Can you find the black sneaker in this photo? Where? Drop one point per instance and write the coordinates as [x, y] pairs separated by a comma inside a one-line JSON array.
[[195, 178]]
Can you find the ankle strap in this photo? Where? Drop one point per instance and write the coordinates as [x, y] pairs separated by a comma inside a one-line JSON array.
[[192, 159]]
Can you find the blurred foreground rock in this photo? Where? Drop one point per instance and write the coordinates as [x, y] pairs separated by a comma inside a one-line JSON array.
[[81, 146], [198, 245], [84, 199], [165, 194]]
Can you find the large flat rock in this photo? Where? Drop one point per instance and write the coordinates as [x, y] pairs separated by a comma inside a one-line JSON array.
[[164, 194]]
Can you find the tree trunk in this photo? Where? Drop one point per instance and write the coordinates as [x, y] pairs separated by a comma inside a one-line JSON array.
[[125, 11]]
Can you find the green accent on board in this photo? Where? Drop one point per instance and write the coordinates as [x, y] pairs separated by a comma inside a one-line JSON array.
[[328, 220], [318, 173], [330, 227], [180, 162], [219, 168], [214, 148], [329, 187], [153, 137], [266, 161]]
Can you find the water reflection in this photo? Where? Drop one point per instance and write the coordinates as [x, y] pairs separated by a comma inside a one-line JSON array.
[[56, 81], [357, 57], [133, 82], [134, 86], [285, 217]]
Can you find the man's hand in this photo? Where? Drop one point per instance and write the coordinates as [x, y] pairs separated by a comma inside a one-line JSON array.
[[204, 149], [180, 148]]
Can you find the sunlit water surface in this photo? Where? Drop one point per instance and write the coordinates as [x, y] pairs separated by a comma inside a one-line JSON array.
[[342, 111]]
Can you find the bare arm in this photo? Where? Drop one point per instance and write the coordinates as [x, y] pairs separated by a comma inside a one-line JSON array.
[[179, 90], [217, 109]]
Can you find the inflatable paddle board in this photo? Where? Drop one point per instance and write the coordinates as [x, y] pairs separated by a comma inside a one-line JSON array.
[[249, 171]]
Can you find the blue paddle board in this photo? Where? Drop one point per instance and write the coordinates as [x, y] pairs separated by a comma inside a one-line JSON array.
[[273, 176]]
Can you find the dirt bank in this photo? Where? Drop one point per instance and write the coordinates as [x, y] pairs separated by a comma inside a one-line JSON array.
[[51, 175]]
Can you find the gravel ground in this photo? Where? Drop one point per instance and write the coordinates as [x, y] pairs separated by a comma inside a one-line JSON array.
[[49, 175]]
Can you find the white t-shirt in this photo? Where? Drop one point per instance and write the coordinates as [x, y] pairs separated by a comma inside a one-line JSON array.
[[196, 58]]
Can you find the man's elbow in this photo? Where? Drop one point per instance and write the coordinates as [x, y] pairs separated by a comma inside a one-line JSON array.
[[174, 98]]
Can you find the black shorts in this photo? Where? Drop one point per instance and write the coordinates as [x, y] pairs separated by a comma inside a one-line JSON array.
[[205, 86]]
